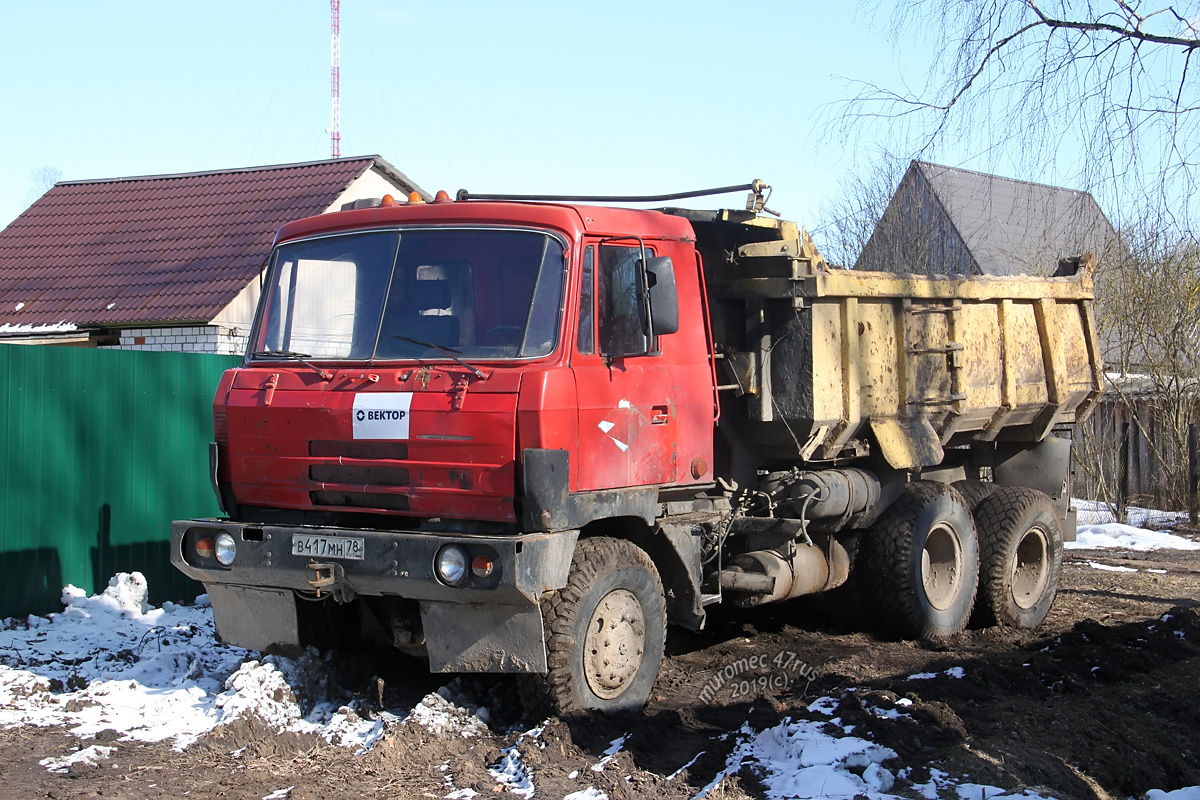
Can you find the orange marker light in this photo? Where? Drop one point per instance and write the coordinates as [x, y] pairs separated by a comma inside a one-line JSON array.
[[388, 200], [204, 547], [415, 197], [482, 566], [441, 197]]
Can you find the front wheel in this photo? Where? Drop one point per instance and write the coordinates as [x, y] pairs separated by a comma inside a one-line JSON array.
[[1020, 561], [922, 563], [605, 632]]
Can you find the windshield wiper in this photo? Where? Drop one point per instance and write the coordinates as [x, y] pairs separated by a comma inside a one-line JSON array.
[[448, 351], [292, 355]]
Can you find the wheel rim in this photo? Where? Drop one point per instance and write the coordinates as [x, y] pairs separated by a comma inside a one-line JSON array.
[[615, 642], [941, 566], [1029, 568]]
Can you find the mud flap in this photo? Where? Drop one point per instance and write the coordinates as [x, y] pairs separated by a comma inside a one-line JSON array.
[[908, 443], [257, 619], [483, 638]]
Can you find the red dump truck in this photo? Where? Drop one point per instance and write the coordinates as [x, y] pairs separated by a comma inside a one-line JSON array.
[[518, 435]]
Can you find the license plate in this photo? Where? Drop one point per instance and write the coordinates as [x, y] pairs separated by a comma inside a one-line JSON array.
[[345, 547]]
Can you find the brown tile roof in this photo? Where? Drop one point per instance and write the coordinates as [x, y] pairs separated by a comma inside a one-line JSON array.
[[160, 248]]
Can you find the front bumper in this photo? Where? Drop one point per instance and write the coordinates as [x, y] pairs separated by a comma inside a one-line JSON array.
[[490, 624]]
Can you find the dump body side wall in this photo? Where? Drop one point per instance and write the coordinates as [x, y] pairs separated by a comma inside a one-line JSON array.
[[825, 364]]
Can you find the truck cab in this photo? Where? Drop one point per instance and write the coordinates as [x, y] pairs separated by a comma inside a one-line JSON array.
[[436, 399]]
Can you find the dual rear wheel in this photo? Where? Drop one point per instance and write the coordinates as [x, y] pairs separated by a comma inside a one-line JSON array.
[[944, 556]]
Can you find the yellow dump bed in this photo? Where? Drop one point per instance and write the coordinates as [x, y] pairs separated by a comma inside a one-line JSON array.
[[824, 364]]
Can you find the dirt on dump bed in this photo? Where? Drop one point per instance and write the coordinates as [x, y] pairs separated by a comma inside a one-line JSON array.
[[1102, 701]]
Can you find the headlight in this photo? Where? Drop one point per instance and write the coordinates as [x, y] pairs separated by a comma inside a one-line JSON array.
[[451, 564], [226, 549]]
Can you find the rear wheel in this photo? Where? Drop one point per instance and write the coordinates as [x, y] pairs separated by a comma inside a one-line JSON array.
[[605, 632], [921, 563], [973, 492], [1021, 546]]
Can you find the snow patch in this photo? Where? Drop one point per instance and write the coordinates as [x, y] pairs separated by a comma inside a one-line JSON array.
[[1114, 535], [590, 793], [796, 756], [113, 661], [442, 718], [58, 327], [1186, 793], [88, 755], [1109, 567]]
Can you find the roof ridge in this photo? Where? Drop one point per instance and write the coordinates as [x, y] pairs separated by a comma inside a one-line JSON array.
[[234, 170], [1003, 178]]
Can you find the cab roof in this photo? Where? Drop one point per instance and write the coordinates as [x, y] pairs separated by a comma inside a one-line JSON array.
[[572, 220]]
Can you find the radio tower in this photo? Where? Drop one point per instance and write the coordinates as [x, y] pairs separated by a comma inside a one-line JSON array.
[[335, 79]]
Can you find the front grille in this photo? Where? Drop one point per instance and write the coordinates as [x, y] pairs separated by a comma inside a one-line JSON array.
[[221, 435], [392, 451], [391, 502], [363, 475]]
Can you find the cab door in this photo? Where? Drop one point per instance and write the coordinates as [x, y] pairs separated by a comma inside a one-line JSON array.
[[627, 419]]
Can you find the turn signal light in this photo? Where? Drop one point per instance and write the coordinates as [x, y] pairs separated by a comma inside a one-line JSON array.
[[482, 566], [204, 547]]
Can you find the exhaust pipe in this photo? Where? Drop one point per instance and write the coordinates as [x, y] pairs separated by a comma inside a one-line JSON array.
[[767, 576]]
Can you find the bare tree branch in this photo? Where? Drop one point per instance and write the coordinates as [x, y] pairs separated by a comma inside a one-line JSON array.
[[1100, 88]]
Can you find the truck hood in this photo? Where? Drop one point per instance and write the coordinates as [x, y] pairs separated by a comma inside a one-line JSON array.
[[434, 441]]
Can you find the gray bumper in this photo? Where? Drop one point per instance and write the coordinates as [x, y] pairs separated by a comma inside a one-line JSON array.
[[490, 625]]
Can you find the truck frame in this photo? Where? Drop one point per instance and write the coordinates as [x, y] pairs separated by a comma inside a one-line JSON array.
[[516, 435]]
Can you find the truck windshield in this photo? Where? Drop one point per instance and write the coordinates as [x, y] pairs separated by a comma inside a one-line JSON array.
[[413, 294]]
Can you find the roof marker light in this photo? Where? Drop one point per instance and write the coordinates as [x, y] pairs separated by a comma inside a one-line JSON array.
[[442, 196], [388, 200], [415, 197]]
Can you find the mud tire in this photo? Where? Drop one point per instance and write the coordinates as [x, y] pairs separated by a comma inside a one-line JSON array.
[[608, 577], [921, 564], [973, 492], [1020, 560]]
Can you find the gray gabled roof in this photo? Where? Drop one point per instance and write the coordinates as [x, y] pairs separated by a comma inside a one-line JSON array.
[[974, 222], [1012, 227]]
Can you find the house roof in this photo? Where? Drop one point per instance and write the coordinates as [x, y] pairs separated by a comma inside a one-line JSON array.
[[1006, 226], [158, 248], [1013, 227]]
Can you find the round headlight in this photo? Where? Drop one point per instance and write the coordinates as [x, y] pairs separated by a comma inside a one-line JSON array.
[[226, 549], [451, 564]]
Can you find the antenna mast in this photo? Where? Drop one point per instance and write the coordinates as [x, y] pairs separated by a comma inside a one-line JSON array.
[[335, 79]]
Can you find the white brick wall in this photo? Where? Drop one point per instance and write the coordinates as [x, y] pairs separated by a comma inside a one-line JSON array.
[[221, 340]]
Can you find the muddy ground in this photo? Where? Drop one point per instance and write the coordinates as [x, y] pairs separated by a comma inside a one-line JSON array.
[[1102, 701]]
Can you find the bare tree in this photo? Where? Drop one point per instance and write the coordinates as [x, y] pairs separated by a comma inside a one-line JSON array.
[[848, 220], [1028, 77], [1148, 319], [41, 180]]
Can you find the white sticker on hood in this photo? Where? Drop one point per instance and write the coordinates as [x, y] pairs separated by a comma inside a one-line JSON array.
[[382, 415]]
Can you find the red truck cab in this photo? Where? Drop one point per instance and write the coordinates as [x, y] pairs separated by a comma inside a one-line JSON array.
[[436, 399], [450, 337]]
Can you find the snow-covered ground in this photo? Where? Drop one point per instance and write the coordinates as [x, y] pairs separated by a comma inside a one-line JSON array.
[[1095, 513], [112, 661], [1098, 530]]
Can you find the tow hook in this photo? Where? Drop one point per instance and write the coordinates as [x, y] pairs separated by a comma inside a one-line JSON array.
[[331, 578]]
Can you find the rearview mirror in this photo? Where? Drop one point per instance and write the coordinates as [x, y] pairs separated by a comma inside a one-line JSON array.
[[664, 300]]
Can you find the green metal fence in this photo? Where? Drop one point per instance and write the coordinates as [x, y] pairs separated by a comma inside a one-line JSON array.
[[100, 450]]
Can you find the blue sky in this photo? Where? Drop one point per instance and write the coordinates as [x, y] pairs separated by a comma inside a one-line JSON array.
[[553, 97]]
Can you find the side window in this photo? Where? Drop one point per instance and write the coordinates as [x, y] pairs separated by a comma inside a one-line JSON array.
[[586, 339], [623, 326]]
